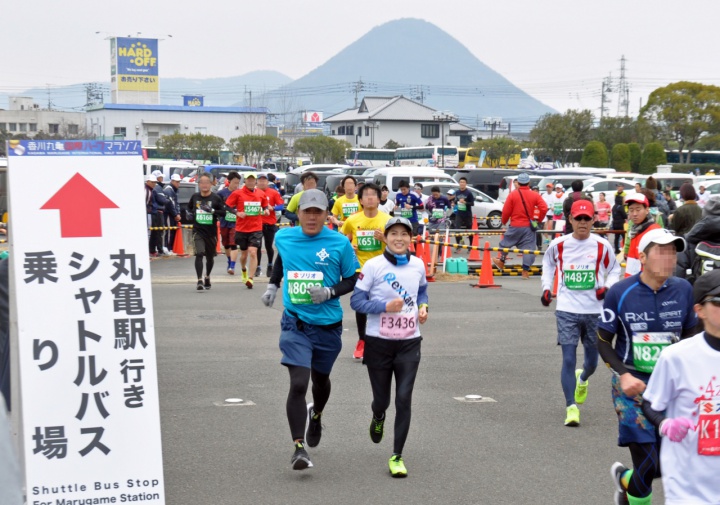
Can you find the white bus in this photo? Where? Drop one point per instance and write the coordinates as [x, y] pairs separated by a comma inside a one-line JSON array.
[[427, 156], [364, 157]]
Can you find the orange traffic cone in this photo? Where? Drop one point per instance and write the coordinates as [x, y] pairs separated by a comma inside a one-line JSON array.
[[178, 245], [427, 259], [487, 279], [419, 248], [219, 240]]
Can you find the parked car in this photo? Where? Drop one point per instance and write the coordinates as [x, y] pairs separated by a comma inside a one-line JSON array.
[[488, 211]]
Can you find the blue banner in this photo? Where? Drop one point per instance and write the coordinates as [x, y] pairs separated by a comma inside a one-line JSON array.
[[138, 57], [74, 148], [193, 100]]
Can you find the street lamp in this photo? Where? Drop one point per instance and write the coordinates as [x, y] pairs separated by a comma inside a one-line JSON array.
[[442, 118]]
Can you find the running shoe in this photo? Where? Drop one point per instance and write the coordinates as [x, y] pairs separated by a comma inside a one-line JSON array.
[[499, 264], [573, 416], [200, 286], [525, 274], [269, 271], [359, 350], [300, 459], [244, 275], [249, 283], [207, 283], [258, 272], [581, 390], [313, 428], [231, 267], [397, 466], [376, 429], [617, 470]]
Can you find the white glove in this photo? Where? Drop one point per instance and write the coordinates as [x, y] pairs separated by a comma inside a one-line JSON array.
[[269, 297], [320, 294]]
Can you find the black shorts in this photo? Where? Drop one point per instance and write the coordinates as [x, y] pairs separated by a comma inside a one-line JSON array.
[[205, 245], [463, 221], [251, 239], [382, 353]]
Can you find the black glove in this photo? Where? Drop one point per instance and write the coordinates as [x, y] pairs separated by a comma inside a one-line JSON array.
[[205, 207], [546, 298], [600, 293]]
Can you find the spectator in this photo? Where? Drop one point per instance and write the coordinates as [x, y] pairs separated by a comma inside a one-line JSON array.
[[172, 212], [670, 201], [577, 194], [654, 210], [662, 206], [688, 214], [619, 218], [155, 204], [386, 205], [705, 229], [703, 196], [603, 210]]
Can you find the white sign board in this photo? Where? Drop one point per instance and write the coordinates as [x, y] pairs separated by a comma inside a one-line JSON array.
[[86, 339]]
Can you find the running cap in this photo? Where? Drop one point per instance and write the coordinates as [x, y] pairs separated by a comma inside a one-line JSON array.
[[523, 178], [398, 220], [637, 198], [158, 174], [176, 177], [451, 192], [559, 186], [247, 176], [151, 178], [313, 199], [549, 185], [661, 236], [582, 208], [706, 285], [262, 175]]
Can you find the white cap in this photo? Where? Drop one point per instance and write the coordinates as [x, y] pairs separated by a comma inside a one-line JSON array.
[[559, 186], [151, 178], [158, 174], [176, 177], [661, 236]]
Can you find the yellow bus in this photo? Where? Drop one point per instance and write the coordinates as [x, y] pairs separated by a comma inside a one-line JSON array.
[[476, 156]]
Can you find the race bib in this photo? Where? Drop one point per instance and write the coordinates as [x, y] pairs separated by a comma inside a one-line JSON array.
[[230, 217], [397, 325], [437, 214], [348, 209], [299, 284], [202, 217], [647, 348], [462, 206], [709, 428], [406, 213], [558, 208], [367, 242], [579, 280], [253, 208]]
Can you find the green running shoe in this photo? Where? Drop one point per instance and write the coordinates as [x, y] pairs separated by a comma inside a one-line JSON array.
[[573, 416], [397, 467], [376, 429], [244, 277], [580, 389]]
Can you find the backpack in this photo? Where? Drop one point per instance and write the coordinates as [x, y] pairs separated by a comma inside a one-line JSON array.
[[707, 259]]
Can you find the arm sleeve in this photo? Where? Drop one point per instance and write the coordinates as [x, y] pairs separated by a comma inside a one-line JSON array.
[[277, 273], [360, 302], [219, 206], [422, 297], [191, 209], [652, 415], [470, 200], [607, 352], [346, 285], [612, 267], [419, 203]]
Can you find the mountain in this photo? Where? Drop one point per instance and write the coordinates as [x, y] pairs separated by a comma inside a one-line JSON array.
[[219, 91], [417, 59]]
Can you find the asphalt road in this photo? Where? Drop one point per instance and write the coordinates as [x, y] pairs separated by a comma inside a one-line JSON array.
[[498, 343]]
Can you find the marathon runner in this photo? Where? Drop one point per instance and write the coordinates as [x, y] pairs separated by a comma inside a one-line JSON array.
[[392, 289], [319, 266], [228, 222], [586, 268], [269, 221], [251, 204], [308, 180], [205, 208], [647, 312], [465, 200], [682, 400], [347, 204], [365, 231], [407, 204]]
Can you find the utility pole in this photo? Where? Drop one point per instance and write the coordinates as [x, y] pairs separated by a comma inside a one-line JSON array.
[[623, 91], [605, 90], [49, 105], [358, 88]]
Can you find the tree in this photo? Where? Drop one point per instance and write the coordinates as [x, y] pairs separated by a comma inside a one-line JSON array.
[[391, 144], [620, 157], [255, 148], [635, 156], [172, 146], [594, 155], [557, 134], [498, 150], [652, 156], [615, 130], [205, 147], [322, 149], [684, 112]]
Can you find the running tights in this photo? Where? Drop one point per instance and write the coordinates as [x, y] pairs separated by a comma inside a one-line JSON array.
[[269, 236], [361, 320], [210, 261], [381, 383], [296, 406], [567, 373], [646, 467]]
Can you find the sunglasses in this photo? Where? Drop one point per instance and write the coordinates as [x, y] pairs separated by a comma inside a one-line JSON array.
[[583, 218], [715, 300]]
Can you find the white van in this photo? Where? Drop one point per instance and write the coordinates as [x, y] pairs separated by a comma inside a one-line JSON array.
[[392, 176], [673, 180], [168, 168]]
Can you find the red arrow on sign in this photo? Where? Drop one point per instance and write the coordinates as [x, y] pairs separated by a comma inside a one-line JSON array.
[[79, 203]]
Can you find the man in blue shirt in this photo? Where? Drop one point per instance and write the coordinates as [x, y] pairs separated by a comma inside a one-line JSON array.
[[407, 204], [318, 266]]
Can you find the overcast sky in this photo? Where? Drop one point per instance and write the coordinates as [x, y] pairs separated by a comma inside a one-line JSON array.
[[556, 50]]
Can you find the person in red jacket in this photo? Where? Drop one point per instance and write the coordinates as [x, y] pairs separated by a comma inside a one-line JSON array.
[[276, 203], [251, 204], [517, 214]]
